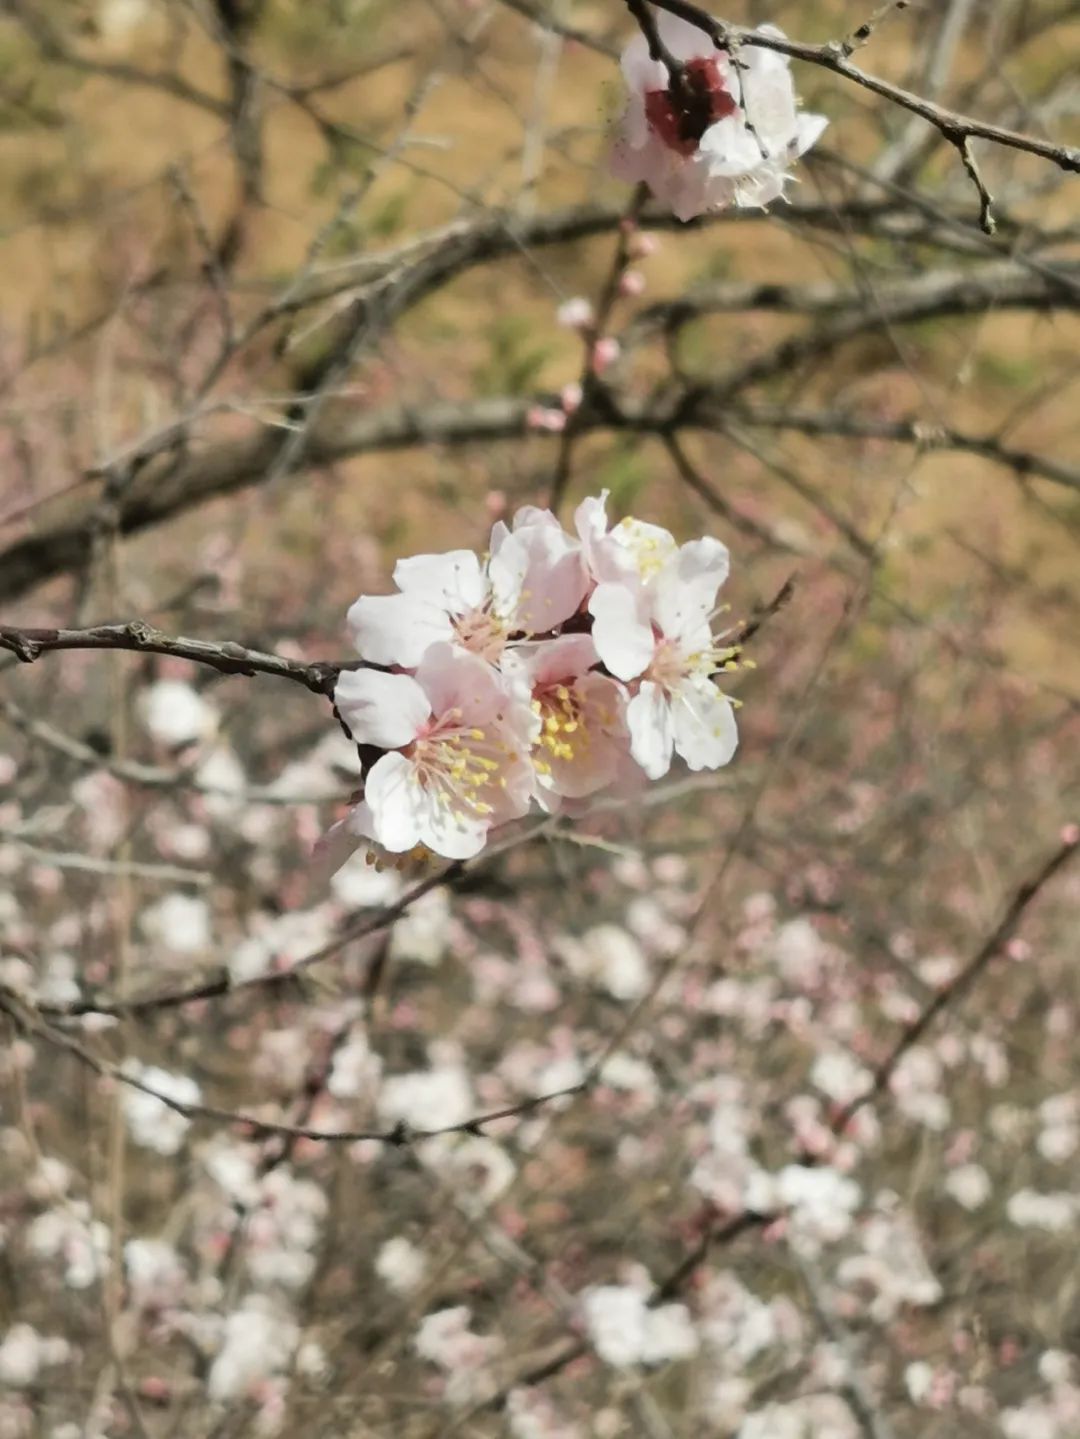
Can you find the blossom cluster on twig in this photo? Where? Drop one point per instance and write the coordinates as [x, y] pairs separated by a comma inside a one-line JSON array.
[[704, 129], [558, 667]]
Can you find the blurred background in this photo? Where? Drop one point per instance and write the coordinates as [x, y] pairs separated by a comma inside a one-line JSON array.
[[279, 303]]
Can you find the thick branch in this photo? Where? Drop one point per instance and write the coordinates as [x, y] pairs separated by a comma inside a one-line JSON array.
[[1000, 284], [172, 485]]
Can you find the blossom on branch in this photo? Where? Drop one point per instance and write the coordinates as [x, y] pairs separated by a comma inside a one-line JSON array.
[[721, 132], [558, 668], [533, 580], [457, 743]]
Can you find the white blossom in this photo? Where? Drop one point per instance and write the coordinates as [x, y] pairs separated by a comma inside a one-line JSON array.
[[259, 1339], [731, 144], [400, 1265], [175, 714], [153, 1123], [625, 1331]]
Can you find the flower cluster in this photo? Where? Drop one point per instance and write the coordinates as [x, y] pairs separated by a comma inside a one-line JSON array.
[[557, 667], [724, 134]]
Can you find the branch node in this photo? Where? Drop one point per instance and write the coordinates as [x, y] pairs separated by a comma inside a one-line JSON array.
[[400, 1136], [142, 633]]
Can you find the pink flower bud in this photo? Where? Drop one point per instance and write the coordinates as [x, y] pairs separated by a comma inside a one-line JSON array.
[[570, 395], [1071, 834], [642, 246], [540, 418], [632, 283], [605, 352]]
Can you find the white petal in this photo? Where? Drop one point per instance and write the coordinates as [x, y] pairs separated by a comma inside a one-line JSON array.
[[685, 41], [455, 581], [396, 629], [529, 515], [507, 569], [380, 709], [455, 679], [554, 580], [331, 851], [729, 149], [705, 731], [640, 71], [590, 518], [396, 802], [808, 131], [454, 836], [650, 545], [648, 717], [685, 593], [621, 632], [560, 659], [761, 188]]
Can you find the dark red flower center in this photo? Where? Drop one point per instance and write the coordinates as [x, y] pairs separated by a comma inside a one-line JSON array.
[[681, 114]]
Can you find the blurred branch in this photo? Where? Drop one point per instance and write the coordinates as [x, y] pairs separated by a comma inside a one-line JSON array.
[[30, 1022], [54, 48], [951, 993], [145, 775], [174, 484], [547, 21], [1001, 284], [222, 983]]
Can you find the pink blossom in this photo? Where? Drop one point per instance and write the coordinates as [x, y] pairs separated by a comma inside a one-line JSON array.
[[730, 143], [457, 760], [582, 738], [540, 417], [642, 246], [532, 582], [604, 354], [570, 397]]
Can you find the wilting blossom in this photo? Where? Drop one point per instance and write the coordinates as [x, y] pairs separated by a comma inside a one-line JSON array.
[[457, 745], [727, 136]]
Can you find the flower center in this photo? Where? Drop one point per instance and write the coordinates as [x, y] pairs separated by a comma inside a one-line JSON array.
[[482, 633], [563, 731], [671, 664], [456, 763], [681, 116]]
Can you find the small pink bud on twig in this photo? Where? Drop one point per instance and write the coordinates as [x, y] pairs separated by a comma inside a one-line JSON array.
[[642, 246], [604, 354], [570, 396], [540, 418]]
